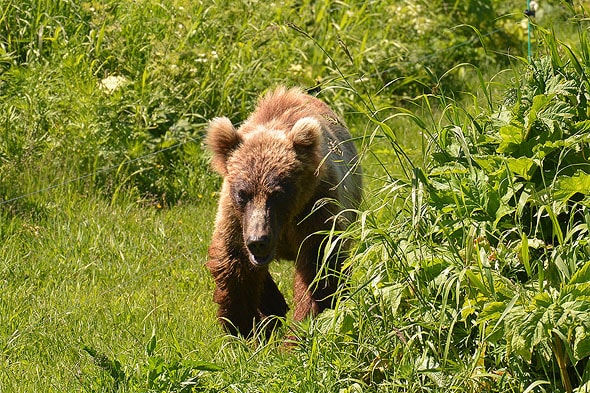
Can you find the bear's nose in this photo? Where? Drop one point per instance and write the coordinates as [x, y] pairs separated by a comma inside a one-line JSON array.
[[259, 245]]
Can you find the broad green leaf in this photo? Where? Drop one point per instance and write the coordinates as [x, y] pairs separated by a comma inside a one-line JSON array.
[[581, 276], [550, 110], [475, 280], [520, 331], [580, 292], [469, 308], [491, 312], [503, 210], [583, 127], [581, 342], [540, 331], [540, 101], [577, 302], [542, 300], [566, 187], [492, 315], [488, 163], [558, 85], [527, 328], [201, 366], [542, 150], [347, 325], [150, 347], [522, 166], [512, 136], [391, 295]]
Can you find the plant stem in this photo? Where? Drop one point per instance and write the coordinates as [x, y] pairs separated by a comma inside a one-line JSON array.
[[562, 363]]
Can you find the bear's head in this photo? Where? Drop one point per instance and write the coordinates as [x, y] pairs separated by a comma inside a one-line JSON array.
[[270, 174]]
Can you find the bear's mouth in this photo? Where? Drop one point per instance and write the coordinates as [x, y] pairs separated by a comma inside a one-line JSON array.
[[261, 260], [261, 249]]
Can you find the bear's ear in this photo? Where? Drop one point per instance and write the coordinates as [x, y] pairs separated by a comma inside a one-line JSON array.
[[222, 139], [307, 132]]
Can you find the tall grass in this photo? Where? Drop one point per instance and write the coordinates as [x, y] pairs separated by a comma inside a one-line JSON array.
[[101, 84], [480, 281]]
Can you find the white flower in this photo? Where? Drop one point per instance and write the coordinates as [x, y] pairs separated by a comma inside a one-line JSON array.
[[111, 83]]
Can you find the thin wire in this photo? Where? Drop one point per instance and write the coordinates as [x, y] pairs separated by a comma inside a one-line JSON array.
[[528, 7]]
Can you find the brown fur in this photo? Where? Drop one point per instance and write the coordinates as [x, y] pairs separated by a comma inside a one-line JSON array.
[[292, 152]]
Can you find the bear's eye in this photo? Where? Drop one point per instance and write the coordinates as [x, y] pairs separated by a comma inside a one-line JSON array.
[[283, 190], [241, 196]]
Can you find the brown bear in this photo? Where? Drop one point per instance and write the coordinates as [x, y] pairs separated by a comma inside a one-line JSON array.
[[290, 176]]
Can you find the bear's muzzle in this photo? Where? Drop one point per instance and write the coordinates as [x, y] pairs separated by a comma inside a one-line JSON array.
[[259, 238]]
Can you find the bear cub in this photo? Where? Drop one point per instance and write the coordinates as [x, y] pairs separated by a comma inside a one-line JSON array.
[[290, 175]]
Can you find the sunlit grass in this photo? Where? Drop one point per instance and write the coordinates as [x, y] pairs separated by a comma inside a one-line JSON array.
[[106, 277]]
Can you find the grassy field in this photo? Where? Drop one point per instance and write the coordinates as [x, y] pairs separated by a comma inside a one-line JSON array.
[[90, 275], [471, 263]]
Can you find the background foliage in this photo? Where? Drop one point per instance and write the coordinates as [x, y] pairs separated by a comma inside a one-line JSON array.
[[471, 266], [101, 84]]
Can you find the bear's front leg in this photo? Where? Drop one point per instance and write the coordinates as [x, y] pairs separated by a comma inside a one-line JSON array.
[[272, 304], [246, 294], [315, 286], [238, 289]]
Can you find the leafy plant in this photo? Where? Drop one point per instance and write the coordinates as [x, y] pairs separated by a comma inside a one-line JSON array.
[[160, 375], [510, 197], [485, 253], [176, 376], [112, 367]]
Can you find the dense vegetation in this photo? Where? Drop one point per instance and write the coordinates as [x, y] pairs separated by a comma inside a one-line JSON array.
[[471, 269]]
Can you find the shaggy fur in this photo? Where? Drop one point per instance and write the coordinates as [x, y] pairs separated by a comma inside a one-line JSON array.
[[290, 154]]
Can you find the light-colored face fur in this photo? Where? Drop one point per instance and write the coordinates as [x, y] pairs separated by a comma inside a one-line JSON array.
[[265, 170]]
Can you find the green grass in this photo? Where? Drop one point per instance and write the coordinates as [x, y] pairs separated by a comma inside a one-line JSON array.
[[105, 277], [474, 226]]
